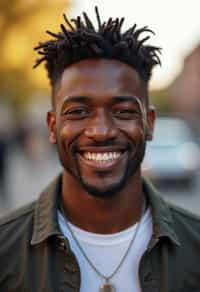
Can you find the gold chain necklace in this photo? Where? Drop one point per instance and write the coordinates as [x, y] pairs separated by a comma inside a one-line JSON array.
[[107, 286]]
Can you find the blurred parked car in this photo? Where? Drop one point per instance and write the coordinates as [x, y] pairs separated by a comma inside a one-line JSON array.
[[172, 155]]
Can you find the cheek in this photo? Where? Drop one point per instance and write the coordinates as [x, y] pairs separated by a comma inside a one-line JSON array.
[[68, 128], [64, 132], [69, 133], [134, 130]]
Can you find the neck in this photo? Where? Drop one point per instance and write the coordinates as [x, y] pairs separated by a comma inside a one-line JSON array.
[[102, 215]]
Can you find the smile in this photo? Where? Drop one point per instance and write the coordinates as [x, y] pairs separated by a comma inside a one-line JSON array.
[[104, 160], [105, 156]]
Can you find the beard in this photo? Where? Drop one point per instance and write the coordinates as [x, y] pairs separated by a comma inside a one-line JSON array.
[[132, 165], [134, 160]]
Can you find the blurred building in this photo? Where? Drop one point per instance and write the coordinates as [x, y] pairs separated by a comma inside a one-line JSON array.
[[184, 91]]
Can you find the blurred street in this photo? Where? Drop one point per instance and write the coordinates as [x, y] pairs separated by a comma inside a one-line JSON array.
[[183, 196], [27, 173]]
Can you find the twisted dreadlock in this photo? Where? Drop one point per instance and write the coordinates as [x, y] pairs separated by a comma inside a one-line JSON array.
[[82, 41]]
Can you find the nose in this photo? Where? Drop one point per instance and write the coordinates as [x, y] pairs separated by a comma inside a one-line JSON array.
[[101, 127]]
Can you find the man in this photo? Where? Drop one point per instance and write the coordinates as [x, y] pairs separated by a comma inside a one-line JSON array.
[[99, 226]]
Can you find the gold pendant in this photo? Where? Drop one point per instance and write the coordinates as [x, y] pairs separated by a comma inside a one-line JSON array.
[[107, 287]]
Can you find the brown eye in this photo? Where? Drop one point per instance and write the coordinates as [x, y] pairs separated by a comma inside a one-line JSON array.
[[76, 113], [126, 114]]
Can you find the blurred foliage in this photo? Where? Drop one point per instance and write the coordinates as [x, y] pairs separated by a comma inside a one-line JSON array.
[[22, 25]]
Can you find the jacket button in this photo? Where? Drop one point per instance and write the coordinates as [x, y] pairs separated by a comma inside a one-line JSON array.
[[61, 245]]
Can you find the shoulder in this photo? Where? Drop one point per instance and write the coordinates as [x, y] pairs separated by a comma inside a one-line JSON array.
[[183, 214], [16, 224], [164, 208], [17, 214], [182, 223], [186, 223], [15, 236]]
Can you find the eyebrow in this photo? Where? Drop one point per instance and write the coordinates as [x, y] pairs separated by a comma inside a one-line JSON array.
[[117, 98], [125, 98], [75, 99]]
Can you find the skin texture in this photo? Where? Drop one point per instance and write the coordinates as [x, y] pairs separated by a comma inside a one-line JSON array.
[[96, 111]]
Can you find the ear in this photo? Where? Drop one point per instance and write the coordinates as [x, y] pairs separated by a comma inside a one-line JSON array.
[[51, 122], [151, 116]]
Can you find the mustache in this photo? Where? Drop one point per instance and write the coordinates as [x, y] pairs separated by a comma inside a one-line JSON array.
[[108, 143]]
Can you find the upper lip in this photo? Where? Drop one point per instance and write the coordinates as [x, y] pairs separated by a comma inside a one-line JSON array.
[[101, 149]]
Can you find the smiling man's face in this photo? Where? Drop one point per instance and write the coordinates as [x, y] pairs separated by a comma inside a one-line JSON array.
[[100, 124]]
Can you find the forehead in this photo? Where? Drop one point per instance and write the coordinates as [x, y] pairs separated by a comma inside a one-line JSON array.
[[99, 78]]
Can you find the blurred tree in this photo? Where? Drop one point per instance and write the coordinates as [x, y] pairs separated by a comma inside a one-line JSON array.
[[22, 25]]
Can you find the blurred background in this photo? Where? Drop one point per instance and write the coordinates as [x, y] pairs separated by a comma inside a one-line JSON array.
[[28, 162]]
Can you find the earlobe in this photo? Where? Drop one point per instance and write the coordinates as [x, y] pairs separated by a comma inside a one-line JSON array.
[[51, 122], [52, 138], [149, 135]]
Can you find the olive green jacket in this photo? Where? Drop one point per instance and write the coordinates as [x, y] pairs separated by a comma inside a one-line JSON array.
[[35, 257]]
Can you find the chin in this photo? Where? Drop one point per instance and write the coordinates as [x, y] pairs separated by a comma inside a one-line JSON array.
[[104, 192], [99, 193]]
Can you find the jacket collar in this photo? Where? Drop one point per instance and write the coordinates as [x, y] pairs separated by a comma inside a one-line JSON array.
[[46, 221], [163, 225], [45, 214]]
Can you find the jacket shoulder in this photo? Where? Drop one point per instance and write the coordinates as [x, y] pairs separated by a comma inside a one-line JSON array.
[[15, 235], [16, 215], [179, 212], [186, 225]]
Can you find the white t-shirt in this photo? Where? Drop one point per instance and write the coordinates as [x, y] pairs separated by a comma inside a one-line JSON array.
[[106, 251]]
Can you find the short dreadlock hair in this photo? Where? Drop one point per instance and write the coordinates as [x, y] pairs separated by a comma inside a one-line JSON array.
[[82, 41]]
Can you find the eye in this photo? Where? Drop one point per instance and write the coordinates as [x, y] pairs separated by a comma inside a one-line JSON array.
[[126, 114], [76, 113]]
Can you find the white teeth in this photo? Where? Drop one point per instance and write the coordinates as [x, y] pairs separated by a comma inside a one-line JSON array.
[[102, 156]]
